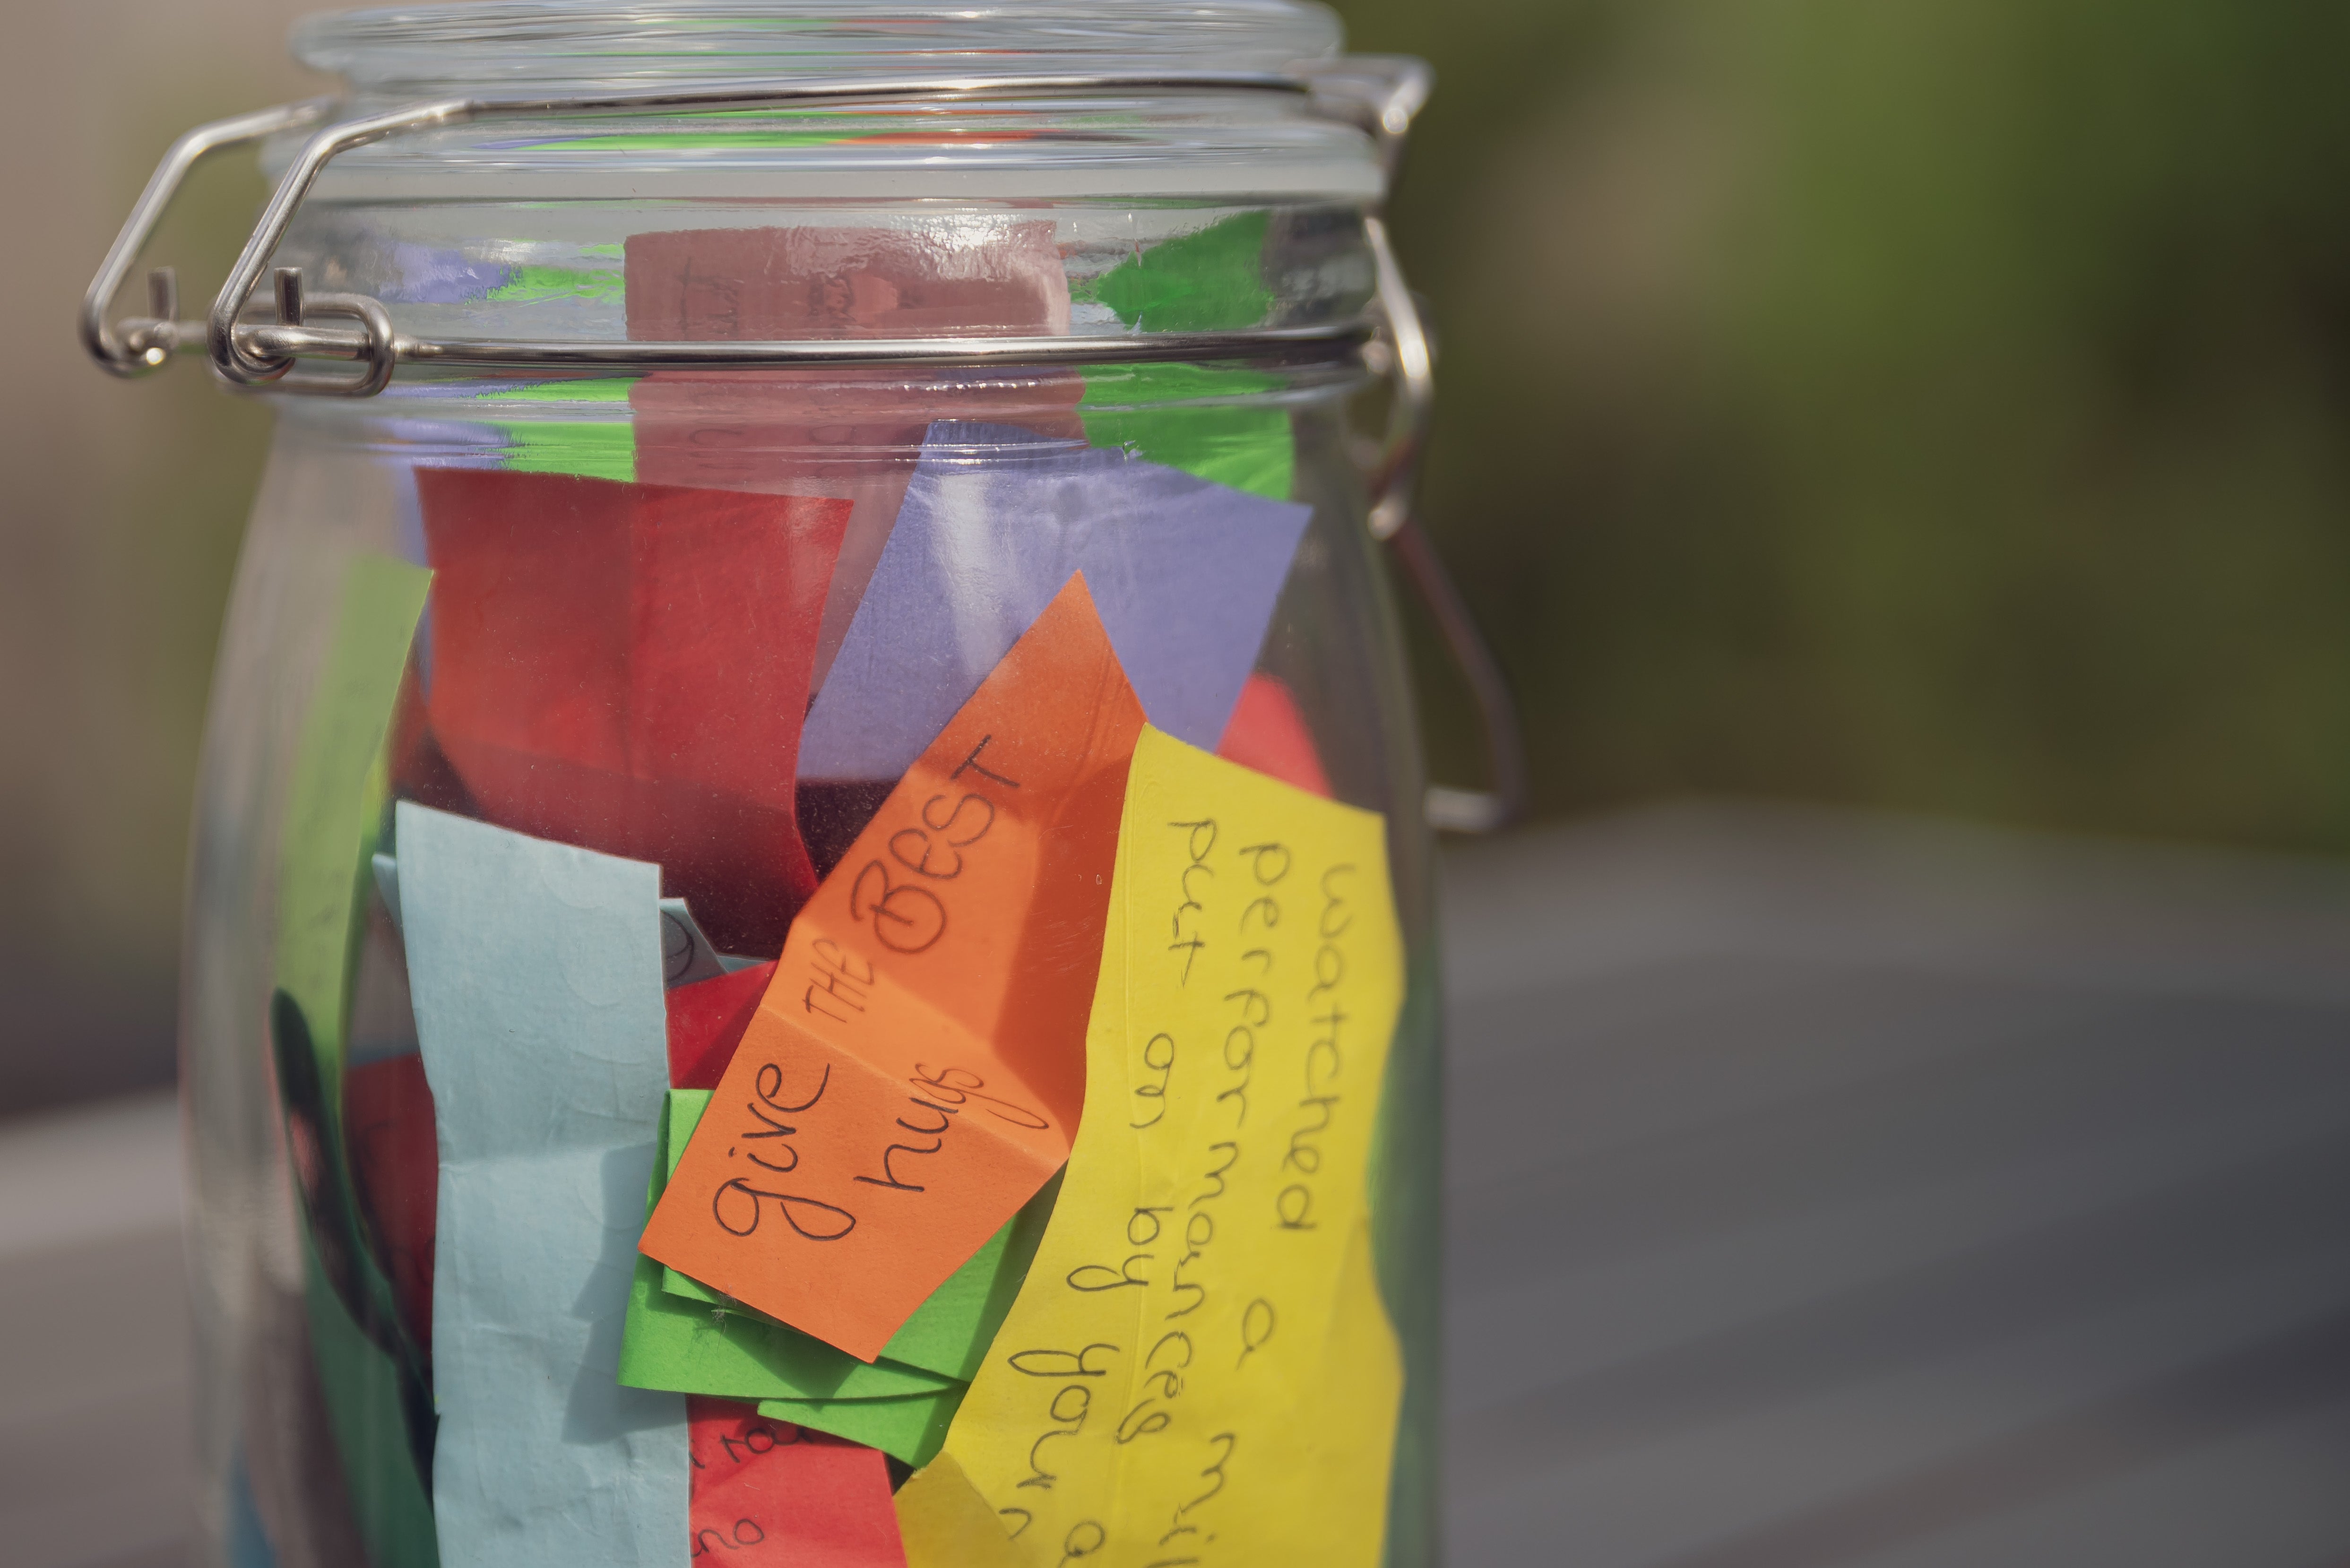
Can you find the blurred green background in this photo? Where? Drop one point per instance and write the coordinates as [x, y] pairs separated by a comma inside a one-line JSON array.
[[1936, 404], [1926, 404]]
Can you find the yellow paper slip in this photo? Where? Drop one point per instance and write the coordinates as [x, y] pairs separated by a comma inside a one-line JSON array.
[[1199, 1368]]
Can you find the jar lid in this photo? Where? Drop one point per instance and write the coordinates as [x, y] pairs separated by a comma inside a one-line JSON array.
[[578, 43]]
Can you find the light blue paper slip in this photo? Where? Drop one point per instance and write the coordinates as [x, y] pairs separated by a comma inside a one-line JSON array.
[[535, 971]]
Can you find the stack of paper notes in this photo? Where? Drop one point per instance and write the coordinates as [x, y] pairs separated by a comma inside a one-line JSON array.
[[826, 1021]]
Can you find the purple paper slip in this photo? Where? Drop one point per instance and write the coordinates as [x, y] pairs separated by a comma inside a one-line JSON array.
[[1184, 572]]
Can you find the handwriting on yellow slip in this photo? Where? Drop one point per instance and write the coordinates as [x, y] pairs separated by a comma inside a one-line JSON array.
[[1198, 1370]]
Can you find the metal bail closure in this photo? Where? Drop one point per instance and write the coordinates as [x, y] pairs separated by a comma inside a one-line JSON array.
[[146, 343], [1380, 94]]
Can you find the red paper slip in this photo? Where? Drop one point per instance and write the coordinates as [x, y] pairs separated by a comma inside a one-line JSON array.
[[625, 667], [850, 433], [767, 1494], [706, 284], [706, 1020], [396, 1169], [916, 1069], [1268, 733]]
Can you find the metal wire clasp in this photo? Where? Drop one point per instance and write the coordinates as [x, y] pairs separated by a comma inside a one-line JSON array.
[[146, 343], [1403, 352]]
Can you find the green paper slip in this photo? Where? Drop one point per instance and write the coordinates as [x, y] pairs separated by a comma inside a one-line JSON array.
[[679, 1116], [675, 1344], [1246, 448], [335, 805], [370, 1416], [912, 1428], [1209, 281], [569, 389], [950, 1331], [369, 1373], [672, 1342], [596, 449], [527, 285]]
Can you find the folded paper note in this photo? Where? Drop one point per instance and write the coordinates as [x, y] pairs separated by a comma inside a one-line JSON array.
[[535, 969], [1201, 1353], [767, 1494], [1183, 574], [951, 1331], [699, 1346], [915, 1071], [624, 666], [952, 1328], [689, 1346]]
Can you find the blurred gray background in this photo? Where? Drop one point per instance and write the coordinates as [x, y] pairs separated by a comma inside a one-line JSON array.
[[1899, 452]]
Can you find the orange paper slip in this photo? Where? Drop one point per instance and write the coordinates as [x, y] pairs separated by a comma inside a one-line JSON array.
[[915, 1070]]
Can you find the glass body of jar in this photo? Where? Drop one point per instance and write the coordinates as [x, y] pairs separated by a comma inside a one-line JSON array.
[[527, 677]]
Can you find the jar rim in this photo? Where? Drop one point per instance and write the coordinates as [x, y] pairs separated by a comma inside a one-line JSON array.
[[682, 41]]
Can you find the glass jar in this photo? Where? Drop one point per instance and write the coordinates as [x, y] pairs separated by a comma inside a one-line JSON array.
[[738, 1002]]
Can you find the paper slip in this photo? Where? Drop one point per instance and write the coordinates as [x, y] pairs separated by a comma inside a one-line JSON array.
[[852, 432], [909, 1429], [914, 1073], [943, 1518], [696, 1346], [1268, 733], [687, 954], [978, 274], [1195, 418], [535, 969], [706, 1020], [952, 1328], [839, 432], [381, 1416], [767, 1494], [624, 666], [382, 1024], [1211, 279], [395, 1166], [1201, 1353], [1183, 574], [371, 1370], [334, 804]]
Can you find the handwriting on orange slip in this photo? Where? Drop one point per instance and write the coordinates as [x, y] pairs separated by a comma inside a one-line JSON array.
[[916, 1068]]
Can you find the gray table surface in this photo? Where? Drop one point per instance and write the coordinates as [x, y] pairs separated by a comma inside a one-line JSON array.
[[1823, 1190]]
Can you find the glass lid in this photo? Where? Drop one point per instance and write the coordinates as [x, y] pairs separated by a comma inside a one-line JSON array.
[[517, 42]]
